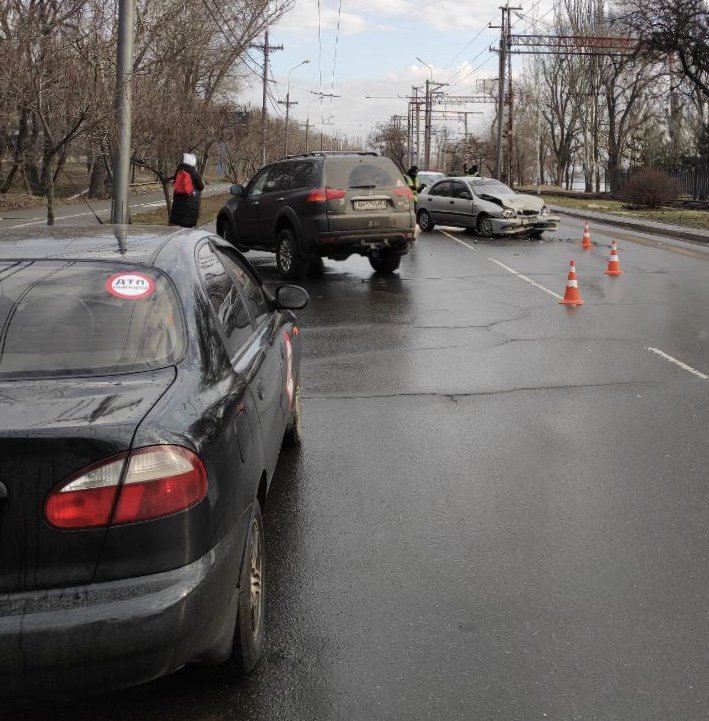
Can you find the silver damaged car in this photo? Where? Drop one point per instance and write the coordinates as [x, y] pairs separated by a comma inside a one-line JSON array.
[[486, 206]]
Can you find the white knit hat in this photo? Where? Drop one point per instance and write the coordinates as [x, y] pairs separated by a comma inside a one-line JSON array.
[[189, 159]]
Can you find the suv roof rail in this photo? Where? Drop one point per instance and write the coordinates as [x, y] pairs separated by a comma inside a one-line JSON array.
[[325, 153]]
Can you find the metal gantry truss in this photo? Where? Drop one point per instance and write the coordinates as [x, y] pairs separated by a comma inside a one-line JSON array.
[[416, 102], [535, 44], [510, 44]]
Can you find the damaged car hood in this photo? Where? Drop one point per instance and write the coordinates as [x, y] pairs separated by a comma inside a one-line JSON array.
[[518, 201]]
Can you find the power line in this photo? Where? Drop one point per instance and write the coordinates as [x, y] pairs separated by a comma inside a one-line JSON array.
[[334, 60], [465, 47], [320, 61]]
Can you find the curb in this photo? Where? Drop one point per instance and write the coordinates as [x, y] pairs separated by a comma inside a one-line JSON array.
[[679, 234]]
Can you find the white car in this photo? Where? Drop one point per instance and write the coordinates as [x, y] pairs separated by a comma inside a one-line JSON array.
[[484, 205], [425, 177]]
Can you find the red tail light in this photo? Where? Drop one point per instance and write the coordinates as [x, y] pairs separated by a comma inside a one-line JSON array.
[[320, 195], [159, 481], [403, 192]]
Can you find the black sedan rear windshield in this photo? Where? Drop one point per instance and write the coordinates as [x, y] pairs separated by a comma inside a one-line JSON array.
[[76, 317]]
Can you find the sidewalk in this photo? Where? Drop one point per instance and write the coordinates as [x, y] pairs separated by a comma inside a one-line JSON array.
[[696, 235]]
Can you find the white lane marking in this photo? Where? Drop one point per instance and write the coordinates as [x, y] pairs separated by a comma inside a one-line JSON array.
[[679, 363], [506, 267], [524, 277], [457, 240]]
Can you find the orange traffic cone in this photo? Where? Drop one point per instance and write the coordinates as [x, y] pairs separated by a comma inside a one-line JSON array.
[[586, 242], [572, 295], [613, 262]]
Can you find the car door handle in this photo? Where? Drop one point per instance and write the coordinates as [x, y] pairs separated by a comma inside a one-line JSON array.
[[451, 201], [280, 200], [255, 203], [260, 390]]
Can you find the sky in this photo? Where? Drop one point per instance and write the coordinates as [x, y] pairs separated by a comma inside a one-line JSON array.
[[375, 52]]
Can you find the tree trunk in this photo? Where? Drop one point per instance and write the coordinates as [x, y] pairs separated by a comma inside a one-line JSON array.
[[165, 182], [97, 183], [18, 150], [48, 184], [62, 161]]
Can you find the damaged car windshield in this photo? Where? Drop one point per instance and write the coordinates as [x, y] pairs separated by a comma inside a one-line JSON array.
[[491, 187]]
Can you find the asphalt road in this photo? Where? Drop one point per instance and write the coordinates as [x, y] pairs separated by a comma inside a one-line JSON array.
[[85, 212], [500, 510]]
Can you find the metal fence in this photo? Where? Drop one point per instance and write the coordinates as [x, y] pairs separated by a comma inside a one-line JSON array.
[[693, 182]]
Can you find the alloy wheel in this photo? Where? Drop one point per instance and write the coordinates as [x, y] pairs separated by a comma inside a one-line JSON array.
[[256, 596], [285, 253]]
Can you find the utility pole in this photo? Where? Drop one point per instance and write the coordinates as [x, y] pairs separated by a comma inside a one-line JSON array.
[[417, 110], [124, 108], [431, 87], [510, 106], [503, 52], [266, 49], [287, 102], [427, 128], [329, 120]]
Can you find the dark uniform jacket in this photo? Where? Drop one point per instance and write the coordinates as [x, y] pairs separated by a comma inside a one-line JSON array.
[[185, 208]]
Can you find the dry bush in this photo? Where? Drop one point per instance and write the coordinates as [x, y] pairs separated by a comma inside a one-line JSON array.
[[650, 189]]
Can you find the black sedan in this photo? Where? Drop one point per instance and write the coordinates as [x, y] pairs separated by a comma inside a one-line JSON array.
[[147, 382]]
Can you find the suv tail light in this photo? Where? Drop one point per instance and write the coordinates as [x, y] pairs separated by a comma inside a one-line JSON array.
[[159, 481], [320, 195], [403, 192]]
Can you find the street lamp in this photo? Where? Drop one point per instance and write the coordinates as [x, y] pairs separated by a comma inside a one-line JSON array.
[[427, 117], [288, 104]]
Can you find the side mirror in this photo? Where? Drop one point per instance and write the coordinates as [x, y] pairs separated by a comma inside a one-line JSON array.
[[465, 196], [237, 190], [291, 297]]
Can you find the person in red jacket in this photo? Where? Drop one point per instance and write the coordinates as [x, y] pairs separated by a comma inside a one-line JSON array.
[[186, 194]]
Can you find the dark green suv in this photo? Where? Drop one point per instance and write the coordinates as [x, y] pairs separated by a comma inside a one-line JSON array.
[[323, 205]]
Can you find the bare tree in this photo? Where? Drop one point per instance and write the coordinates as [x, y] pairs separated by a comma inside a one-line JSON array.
[[389, 139], [680, 27]]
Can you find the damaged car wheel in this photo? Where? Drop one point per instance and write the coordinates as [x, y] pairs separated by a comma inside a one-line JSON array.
[[485, 226]]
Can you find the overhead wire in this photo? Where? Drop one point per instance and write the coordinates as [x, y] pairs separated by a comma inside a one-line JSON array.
[[529, 22], [322, 119], [334, 60]]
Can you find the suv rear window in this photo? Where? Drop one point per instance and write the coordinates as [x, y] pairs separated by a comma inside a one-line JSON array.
[[79, 318], [365, 172]]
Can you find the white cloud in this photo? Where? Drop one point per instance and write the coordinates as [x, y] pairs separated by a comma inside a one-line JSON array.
[[304, 19]]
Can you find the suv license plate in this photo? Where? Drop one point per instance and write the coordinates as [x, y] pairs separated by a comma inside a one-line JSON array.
[[370, 204]]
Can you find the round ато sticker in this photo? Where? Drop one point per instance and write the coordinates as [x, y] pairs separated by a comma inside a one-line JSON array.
[[132, 286]]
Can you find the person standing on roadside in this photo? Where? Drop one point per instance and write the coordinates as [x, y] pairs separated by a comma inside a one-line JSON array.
[[411, 181], [186, 193]]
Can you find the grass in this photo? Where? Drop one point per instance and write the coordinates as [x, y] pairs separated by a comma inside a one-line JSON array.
[[209, 208], [674, 216]]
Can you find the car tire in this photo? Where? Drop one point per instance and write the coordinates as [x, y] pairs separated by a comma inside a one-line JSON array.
[[386, 262], [484, 226], [293, 435], [424, 220], [249, 636], [290, 265], [537, 235]]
